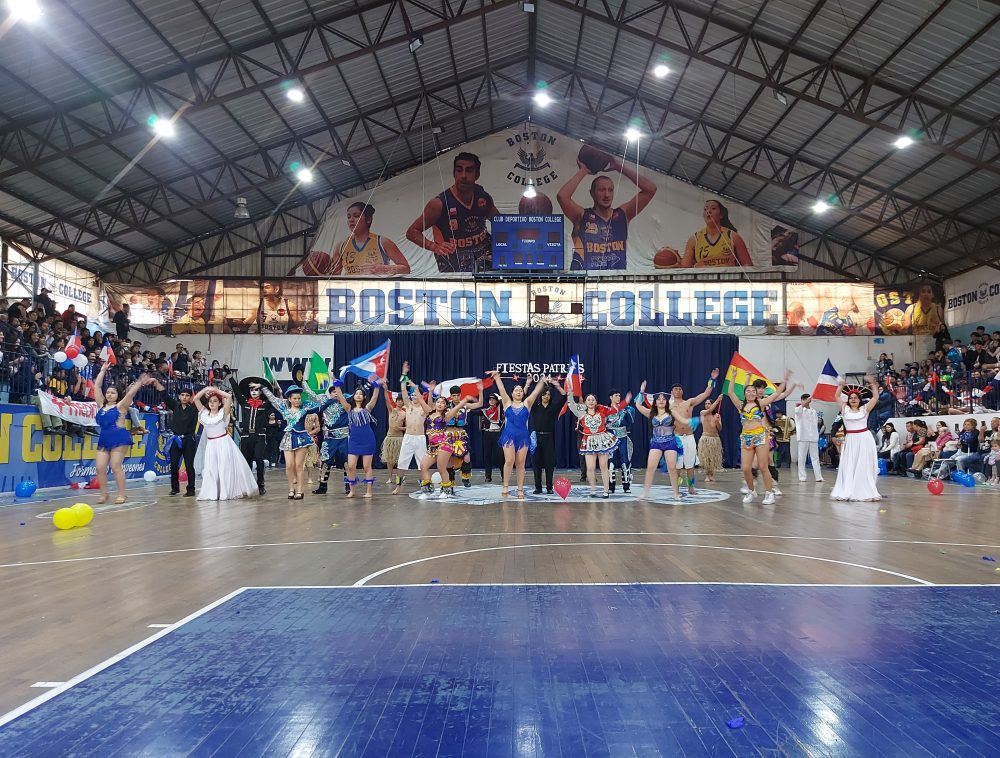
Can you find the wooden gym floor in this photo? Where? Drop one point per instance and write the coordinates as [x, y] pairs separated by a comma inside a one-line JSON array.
[[74, 599]]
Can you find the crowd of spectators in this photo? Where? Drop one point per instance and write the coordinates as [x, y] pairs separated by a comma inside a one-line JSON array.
[[32, 335]]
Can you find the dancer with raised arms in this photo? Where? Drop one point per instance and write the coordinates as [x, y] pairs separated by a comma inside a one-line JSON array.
[[710, 444], [114, 441], [360, 434], [224, 472], [296, 441], [596, 442], [439, 449], [664, 443], [858, 470], [414, 446], [515, 437], [754, 436], [682, 411]]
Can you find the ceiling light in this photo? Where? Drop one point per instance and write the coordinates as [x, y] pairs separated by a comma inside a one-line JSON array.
[[632, 133], [25, 10], [241, 209], [779, 97], [527, 6], [164, 127], [304, 175], [529, 191], [820, 206], [296, 95], [416, 43], [903, 142], [661, 71], [345, 162], [437, 129], [542, 98]]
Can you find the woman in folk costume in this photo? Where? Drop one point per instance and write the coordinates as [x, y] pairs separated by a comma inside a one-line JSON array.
[[221, 466], [858, 470]]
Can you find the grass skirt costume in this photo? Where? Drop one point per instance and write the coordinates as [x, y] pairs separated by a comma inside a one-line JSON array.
[[710, 453]]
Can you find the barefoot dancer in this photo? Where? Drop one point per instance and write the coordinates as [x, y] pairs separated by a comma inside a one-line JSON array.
[[682, 410], [515, 437], [710, 444]]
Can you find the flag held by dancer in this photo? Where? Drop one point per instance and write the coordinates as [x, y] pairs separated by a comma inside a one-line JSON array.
[[827, 384], [738, 374], [369, 366]]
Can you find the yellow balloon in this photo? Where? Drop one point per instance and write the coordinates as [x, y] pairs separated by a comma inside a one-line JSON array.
[[83, 514], [64, 518]]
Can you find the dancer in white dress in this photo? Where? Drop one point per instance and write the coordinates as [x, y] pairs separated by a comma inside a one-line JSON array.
[[858, 457], [221, 466]]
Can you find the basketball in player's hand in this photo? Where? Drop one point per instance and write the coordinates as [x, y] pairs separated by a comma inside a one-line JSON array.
[[666, 257], [539, 205], [316, 264], [594, 159]]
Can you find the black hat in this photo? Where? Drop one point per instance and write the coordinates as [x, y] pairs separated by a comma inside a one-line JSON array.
[[246, 381]]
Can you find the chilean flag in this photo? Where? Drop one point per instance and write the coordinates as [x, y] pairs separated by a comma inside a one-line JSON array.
[[74, 341], [369, 366], [827, 384], [107, 354], [572, 383], [467, 383]]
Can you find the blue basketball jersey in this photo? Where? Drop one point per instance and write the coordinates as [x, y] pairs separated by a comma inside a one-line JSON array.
[[600, 244], [466, 227]]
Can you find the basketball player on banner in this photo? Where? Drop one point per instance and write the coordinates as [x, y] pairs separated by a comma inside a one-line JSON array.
[[457, 219], [274, 314], [600, 233]]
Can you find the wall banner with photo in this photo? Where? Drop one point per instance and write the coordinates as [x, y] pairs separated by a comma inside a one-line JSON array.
[[845, 309], [598, 212], [67, 285]]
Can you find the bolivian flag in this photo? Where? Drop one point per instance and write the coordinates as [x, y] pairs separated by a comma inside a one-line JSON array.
[[319, 374], [738, 374]]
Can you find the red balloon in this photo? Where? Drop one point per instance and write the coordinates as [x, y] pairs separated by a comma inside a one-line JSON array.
[[74, 485], [183, 476], [562, 486], [72, 352], [935, 486]]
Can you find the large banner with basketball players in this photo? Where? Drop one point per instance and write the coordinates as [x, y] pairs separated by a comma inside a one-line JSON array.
[[615, 216], [304, 306]]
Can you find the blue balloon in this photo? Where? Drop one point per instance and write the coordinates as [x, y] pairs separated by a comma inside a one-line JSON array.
[[67, 363], [822, 444], [23, 489], [968, 480], [32, 487]]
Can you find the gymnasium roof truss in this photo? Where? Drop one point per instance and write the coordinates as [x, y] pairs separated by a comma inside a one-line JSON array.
[[769, 102]]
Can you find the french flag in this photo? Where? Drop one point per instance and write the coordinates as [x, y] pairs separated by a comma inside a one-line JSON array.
[[107, 354], [827, 384], [369, 366], [74, 341]]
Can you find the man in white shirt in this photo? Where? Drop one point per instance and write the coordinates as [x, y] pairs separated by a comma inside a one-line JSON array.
[[808, 432]]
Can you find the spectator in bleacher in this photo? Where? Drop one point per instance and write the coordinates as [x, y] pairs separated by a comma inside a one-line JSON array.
[[19, 309], [938, 438], [45, 301], [887, 440], [182, 364], [899, 463], [122, 322], [69, 317], [199, 366], [883, 365]]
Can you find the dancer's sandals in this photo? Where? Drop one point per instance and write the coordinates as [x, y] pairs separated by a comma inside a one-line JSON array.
[[298, 496], [520, 494], [120, 500], [291, 494], [504, 492]]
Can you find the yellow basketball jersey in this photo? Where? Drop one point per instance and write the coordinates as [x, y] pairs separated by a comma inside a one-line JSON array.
[[361, 260], [924, 322], [720, 252]]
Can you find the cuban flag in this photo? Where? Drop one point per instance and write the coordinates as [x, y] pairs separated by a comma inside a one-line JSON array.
[[369, 366], [826, 385], [466, 383], [107, 354]]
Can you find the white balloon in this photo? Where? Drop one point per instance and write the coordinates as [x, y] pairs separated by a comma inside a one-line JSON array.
[[59, 356], [149, 476], [436, 477], [80, 361]]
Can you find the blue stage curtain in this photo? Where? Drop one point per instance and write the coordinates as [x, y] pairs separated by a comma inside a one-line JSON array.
[[611, 360]]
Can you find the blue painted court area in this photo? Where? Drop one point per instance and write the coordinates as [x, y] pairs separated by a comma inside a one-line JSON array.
[[595, 670]]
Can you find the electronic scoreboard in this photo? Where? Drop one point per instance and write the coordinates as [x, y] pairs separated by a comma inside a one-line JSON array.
[[527, 243]]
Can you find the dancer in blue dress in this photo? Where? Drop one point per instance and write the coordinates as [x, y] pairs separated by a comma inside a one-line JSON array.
[[297, 440], [360, 434], [664, 442], [115, 440], [515, 438]]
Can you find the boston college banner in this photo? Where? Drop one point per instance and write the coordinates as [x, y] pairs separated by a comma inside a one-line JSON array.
[[236, 306], [604, 212]]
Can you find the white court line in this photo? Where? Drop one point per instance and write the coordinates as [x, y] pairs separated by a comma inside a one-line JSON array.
[[365, 580], [159, 626], [44, 685], [174, 551], [63, 686]]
